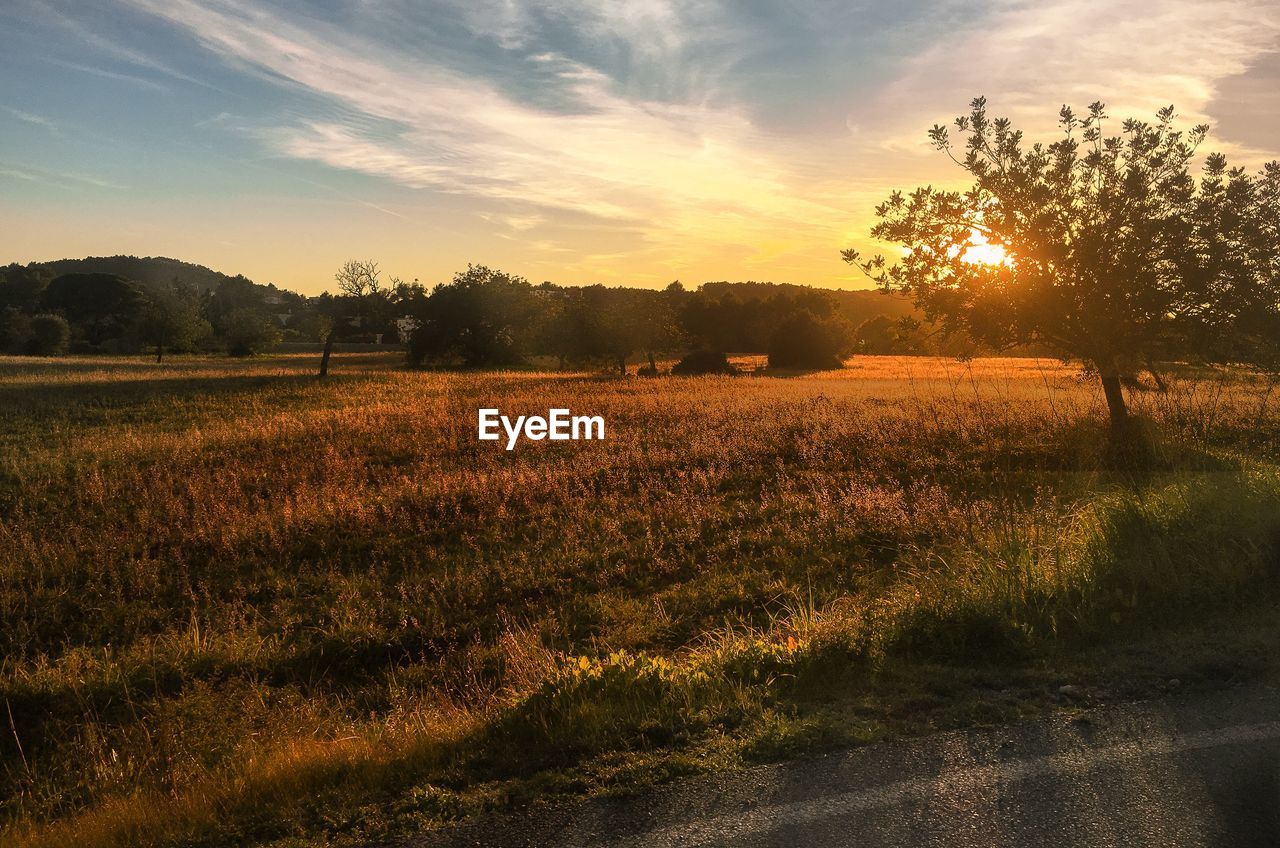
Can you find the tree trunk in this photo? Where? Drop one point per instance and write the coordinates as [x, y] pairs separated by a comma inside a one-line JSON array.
[[653, 365], [622, 366], [160, 348], [324, 357], [1155, 375], [1115, 397]]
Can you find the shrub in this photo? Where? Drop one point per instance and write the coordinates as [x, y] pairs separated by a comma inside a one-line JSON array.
[[249, 332], [803, 340], [50, 335], [15, 331], [703, 362]]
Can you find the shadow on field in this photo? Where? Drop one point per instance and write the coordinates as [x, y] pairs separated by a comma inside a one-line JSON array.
[[122, 392]]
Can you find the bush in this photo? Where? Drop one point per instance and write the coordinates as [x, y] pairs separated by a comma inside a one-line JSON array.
[[50, 335], [15, 331], [803, 340], [249, 332], [703, 362]]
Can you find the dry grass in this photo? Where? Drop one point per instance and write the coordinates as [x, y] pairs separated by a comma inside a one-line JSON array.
[[241, 603]]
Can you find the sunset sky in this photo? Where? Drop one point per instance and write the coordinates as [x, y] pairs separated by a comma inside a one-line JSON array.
[[569, 140]]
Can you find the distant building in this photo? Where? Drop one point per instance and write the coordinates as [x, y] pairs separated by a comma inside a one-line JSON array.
[[405, 327]]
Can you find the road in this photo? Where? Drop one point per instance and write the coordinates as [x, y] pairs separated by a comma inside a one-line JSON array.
[[1201, 770]]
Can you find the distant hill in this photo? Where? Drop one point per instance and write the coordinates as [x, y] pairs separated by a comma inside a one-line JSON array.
[[153, 272]]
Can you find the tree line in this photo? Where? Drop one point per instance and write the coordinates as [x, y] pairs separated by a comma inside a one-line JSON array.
[[97, 312], [487, 318], [482, 318]]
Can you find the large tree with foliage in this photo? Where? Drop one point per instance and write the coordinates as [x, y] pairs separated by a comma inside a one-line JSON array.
[[99, 307], [1114, 253], [249, 332], [484, 317], [171, 320], [21, 287]]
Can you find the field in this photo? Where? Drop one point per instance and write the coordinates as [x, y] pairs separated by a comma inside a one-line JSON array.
[[241, 604]]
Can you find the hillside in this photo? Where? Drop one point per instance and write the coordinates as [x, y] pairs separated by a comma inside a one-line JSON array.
[[154, 272]]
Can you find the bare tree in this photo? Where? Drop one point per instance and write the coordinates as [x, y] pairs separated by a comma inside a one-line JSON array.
[[358, 280]]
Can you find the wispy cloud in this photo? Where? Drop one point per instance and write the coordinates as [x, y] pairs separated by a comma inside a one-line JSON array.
[[17, 174], [660, 134], [61, 179], [113, 49], [36, 120], [692, 173], [1135, 55], [132, 79]]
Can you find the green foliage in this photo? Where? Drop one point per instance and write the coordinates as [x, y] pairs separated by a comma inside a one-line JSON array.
[[50, 335], [719, 319], [248, 332], [1116, 254], [101, 306], [15, 330], [482, 318], [884, 336], [21, 287], [596, 324], [701, 362], [171, 321], [803, 340]]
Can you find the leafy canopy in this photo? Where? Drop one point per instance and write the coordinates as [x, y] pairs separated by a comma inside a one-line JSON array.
[[1112, 251]]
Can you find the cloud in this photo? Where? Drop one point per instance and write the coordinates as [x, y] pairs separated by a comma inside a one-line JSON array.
[[18, 174], [1135, 55], [689, 172], [36, 120], [61, 179], [93, 37], [132, 79], [646, 118]]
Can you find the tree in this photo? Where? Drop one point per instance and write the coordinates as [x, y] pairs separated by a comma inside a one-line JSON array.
[[15, 330], [484, 317], [717, 318], [171, 321], [98, 306], [702, 362], [1102, 248], [249, 332], [50, 335], [359, 282], [658, 327], [231, 295], [611, 324], [804, 340], [21, 287]]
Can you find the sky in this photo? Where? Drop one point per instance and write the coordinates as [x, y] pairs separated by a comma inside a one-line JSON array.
[[578, 141]]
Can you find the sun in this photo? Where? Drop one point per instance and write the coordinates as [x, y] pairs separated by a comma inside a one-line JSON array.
[[980, 251]]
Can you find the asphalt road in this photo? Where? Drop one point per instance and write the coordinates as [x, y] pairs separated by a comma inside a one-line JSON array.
[[1200, 770]]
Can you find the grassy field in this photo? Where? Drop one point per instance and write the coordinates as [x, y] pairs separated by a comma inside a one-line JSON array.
[[243, 605]]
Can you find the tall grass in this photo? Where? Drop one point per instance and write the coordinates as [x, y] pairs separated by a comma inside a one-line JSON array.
[[244, 605]]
